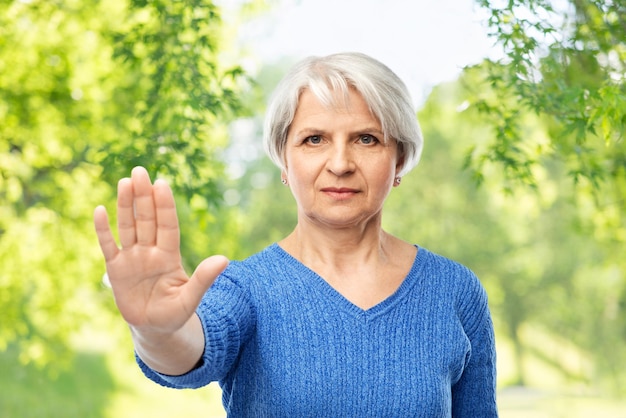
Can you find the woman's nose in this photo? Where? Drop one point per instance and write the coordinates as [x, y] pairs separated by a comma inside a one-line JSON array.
[[340, 160]]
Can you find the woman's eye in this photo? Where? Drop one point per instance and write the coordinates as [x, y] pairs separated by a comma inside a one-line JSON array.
[[314, 139], [368, 139]]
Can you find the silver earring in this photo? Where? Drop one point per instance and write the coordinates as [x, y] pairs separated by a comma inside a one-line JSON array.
[[398, 180], [283, 181]]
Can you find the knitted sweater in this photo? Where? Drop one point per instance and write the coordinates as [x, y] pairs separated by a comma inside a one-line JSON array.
[[283, 343]]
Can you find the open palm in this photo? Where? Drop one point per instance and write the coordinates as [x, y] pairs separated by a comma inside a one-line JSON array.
[[152, 290]]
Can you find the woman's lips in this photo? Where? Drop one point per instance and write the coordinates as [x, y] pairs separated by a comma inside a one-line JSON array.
[[340, 193]]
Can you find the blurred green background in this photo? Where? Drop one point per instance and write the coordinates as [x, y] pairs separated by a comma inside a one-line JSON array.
[[523, 179]]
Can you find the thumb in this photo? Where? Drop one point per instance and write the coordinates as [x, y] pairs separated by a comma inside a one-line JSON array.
[[205, 274]]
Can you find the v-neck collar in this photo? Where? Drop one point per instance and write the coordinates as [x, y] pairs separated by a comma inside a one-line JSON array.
[[310, 278]]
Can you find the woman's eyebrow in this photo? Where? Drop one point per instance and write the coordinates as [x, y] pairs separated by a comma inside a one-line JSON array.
[[370, 129], [366, 129], [309, 131]]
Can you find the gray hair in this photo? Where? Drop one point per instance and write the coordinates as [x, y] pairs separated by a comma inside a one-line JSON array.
[[385, 94]]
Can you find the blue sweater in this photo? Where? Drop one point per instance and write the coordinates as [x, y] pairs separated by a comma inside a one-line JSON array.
[[283, 343]]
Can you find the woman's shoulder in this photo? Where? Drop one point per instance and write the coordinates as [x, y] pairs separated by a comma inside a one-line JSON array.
[[261, 259], [455, 282], [265, 263], [442, 263], [448, 273]]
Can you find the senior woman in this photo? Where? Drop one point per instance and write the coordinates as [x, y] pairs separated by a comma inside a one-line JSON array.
[[339, 318]]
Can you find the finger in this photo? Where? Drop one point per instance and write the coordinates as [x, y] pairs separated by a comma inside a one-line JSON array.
[[105, 236], [125, 213], [204, 276], [145, 217], [168, 231]]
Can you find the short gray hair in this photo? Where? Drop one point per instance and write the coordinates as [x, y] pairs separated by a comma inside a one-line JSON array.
[[385, 94]]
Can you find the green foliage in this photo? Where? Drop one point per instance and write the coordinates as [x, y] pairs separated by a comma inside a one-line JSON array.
[[563, 71], [175, 92], [87, 91], [46, 182], [543, 252], [566, 64]]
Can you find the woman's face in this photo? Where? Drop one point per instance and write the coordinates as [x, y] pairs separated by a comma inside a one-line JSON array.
[[338, 167]]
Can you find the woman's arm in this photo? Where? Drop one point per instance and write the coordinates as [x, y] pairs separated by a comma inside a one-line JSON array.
[[474, 395]]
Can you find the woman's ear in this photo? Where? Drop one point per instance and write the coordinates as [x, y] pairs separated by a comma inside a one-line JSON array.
[[401, 158]]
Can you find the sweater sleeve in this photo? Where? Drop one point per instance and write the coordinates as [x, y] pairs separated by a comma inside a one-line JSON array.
[[227, 318], [474, 395]]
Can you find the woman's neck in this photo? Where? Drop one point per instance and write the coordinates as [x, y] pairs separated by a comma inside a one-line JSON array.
[[339, 247]]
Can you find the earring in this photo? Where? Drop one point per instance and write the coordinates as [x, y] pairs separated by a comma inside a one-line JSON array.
[[283, 181], [398, 180]]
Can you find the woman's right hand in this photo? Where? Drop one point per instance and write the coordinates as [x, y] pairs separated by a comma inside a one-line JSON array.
[[151, 289]]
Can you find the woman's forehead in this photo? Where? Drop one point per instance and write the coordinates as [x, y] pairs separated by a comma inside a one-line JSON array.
[[337, 100]]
